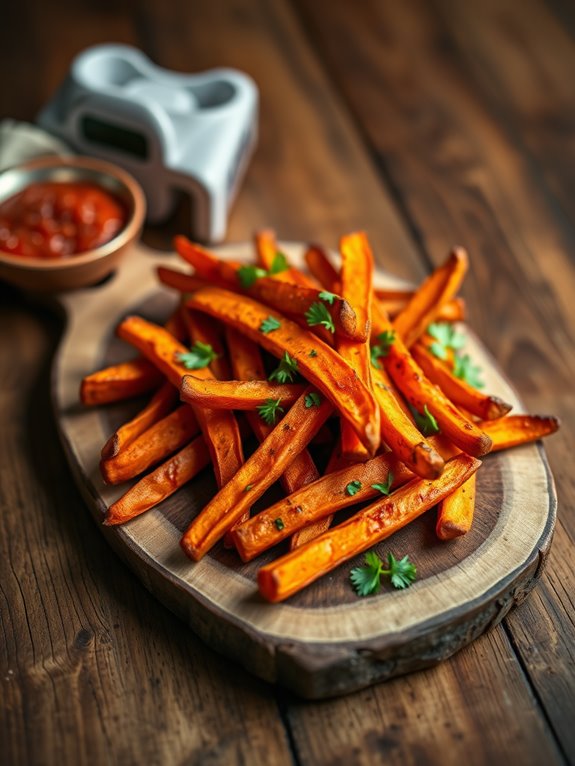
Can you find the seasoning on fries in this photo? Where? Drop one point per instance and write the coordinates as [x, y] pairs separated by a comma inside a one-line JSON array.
[[290, 352]]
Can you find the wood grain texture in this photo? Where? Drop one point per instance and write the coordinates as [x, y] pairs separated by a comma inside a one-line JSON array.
[[508, 697]]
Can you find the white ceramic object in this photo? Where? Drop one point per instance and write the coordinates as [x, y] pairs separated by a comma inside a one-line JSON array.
[[175, 133]]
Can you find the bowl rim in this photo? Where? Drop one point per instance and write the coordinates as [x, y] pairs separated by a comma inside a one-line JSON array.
[[123, 237]]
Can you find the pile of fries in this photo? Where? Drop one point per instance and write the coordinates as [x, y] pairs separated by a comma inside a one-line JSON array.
[[386, 364]]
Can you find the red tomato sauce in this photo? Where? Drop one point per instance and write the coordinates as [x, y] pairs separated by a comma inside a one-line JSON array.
[[54, 220]]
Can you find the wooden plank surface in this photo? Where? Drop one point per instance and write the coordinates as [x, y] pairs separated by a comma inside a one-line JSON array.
[[370, 118]]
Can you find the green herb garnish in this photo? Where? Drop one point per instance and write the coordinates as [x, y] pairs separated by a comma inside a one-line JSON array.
[[279, 524], [384, 488], [353, 487], [279, 264], [312, 400], [286, 371], [464, 369], [445, 338], [327, 297], [199, 356], [317, 314], [367, 579], [248, 275], [312, 353], [269, 325], [425, 421], [386, 340], [269, 411]]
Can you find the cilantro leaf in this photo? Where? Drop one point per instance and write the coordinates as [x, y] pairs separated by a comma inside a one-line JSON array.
[[386, 339], [384, 488], [425, 421], [269, 325], [286, 371], [353, 487], [402, 573], [279, 524], [313, 352], [446, 337], [199, 356], [247, 275], [248, 487], [317, 314], [446, 334], [464, 369], [313, 399], [366, 580], [279, 264], [327, 297], [269, 411]]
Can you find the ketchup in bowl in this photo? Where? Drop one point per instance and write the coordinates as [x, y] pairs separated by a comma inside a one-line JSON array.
[[59, 219]]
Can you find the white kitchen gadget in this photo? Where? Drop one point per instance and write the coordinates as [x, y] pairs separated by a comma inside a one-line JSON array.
[[175, 133]]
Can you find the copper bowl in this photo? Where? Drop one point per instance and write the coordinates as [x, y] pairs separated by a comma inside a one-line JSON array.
[[83, 269]]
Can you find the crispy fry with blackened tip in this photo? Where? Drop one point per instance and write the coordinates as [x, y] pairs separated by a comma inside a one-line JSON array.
[[455, 512]]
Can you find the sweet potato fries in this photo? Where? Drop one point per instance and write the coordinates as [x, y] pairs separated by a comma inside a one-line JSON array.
[[294, 358]]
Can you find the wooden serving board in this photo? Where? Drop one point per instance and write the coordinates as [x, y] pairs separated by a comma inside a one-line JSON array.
[[324, 641]]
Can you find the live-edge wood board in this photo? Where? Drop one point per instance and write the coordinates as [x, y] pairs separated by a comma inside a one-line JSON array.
[[324, 641]]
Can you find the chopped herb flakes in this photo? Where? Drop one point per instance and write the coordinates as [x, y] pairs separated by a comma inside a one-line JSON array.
[[312, 399], [318, 314], [286, 371], [353, 487], [199, 356], [269, 325]]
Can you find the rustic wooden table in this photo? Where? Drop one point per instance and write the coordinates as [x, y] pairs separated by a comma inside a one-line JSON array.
[[427, 124]]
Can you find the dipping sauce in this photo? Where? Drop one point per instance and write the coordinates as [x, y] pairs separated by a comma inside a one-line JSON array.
[[55, 220]]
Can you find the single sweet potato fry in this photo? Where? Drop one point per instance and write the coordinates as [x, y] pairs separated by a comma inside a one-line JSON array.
[[119, 382], [319, 363], [263, 467], [455, 512], [356, 288], [151, 447], [437, 290], [290, 573], [237, 394], [179, 280], [458, 391], [515, 430], [321, 267], [159, 405], [160, 483]]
